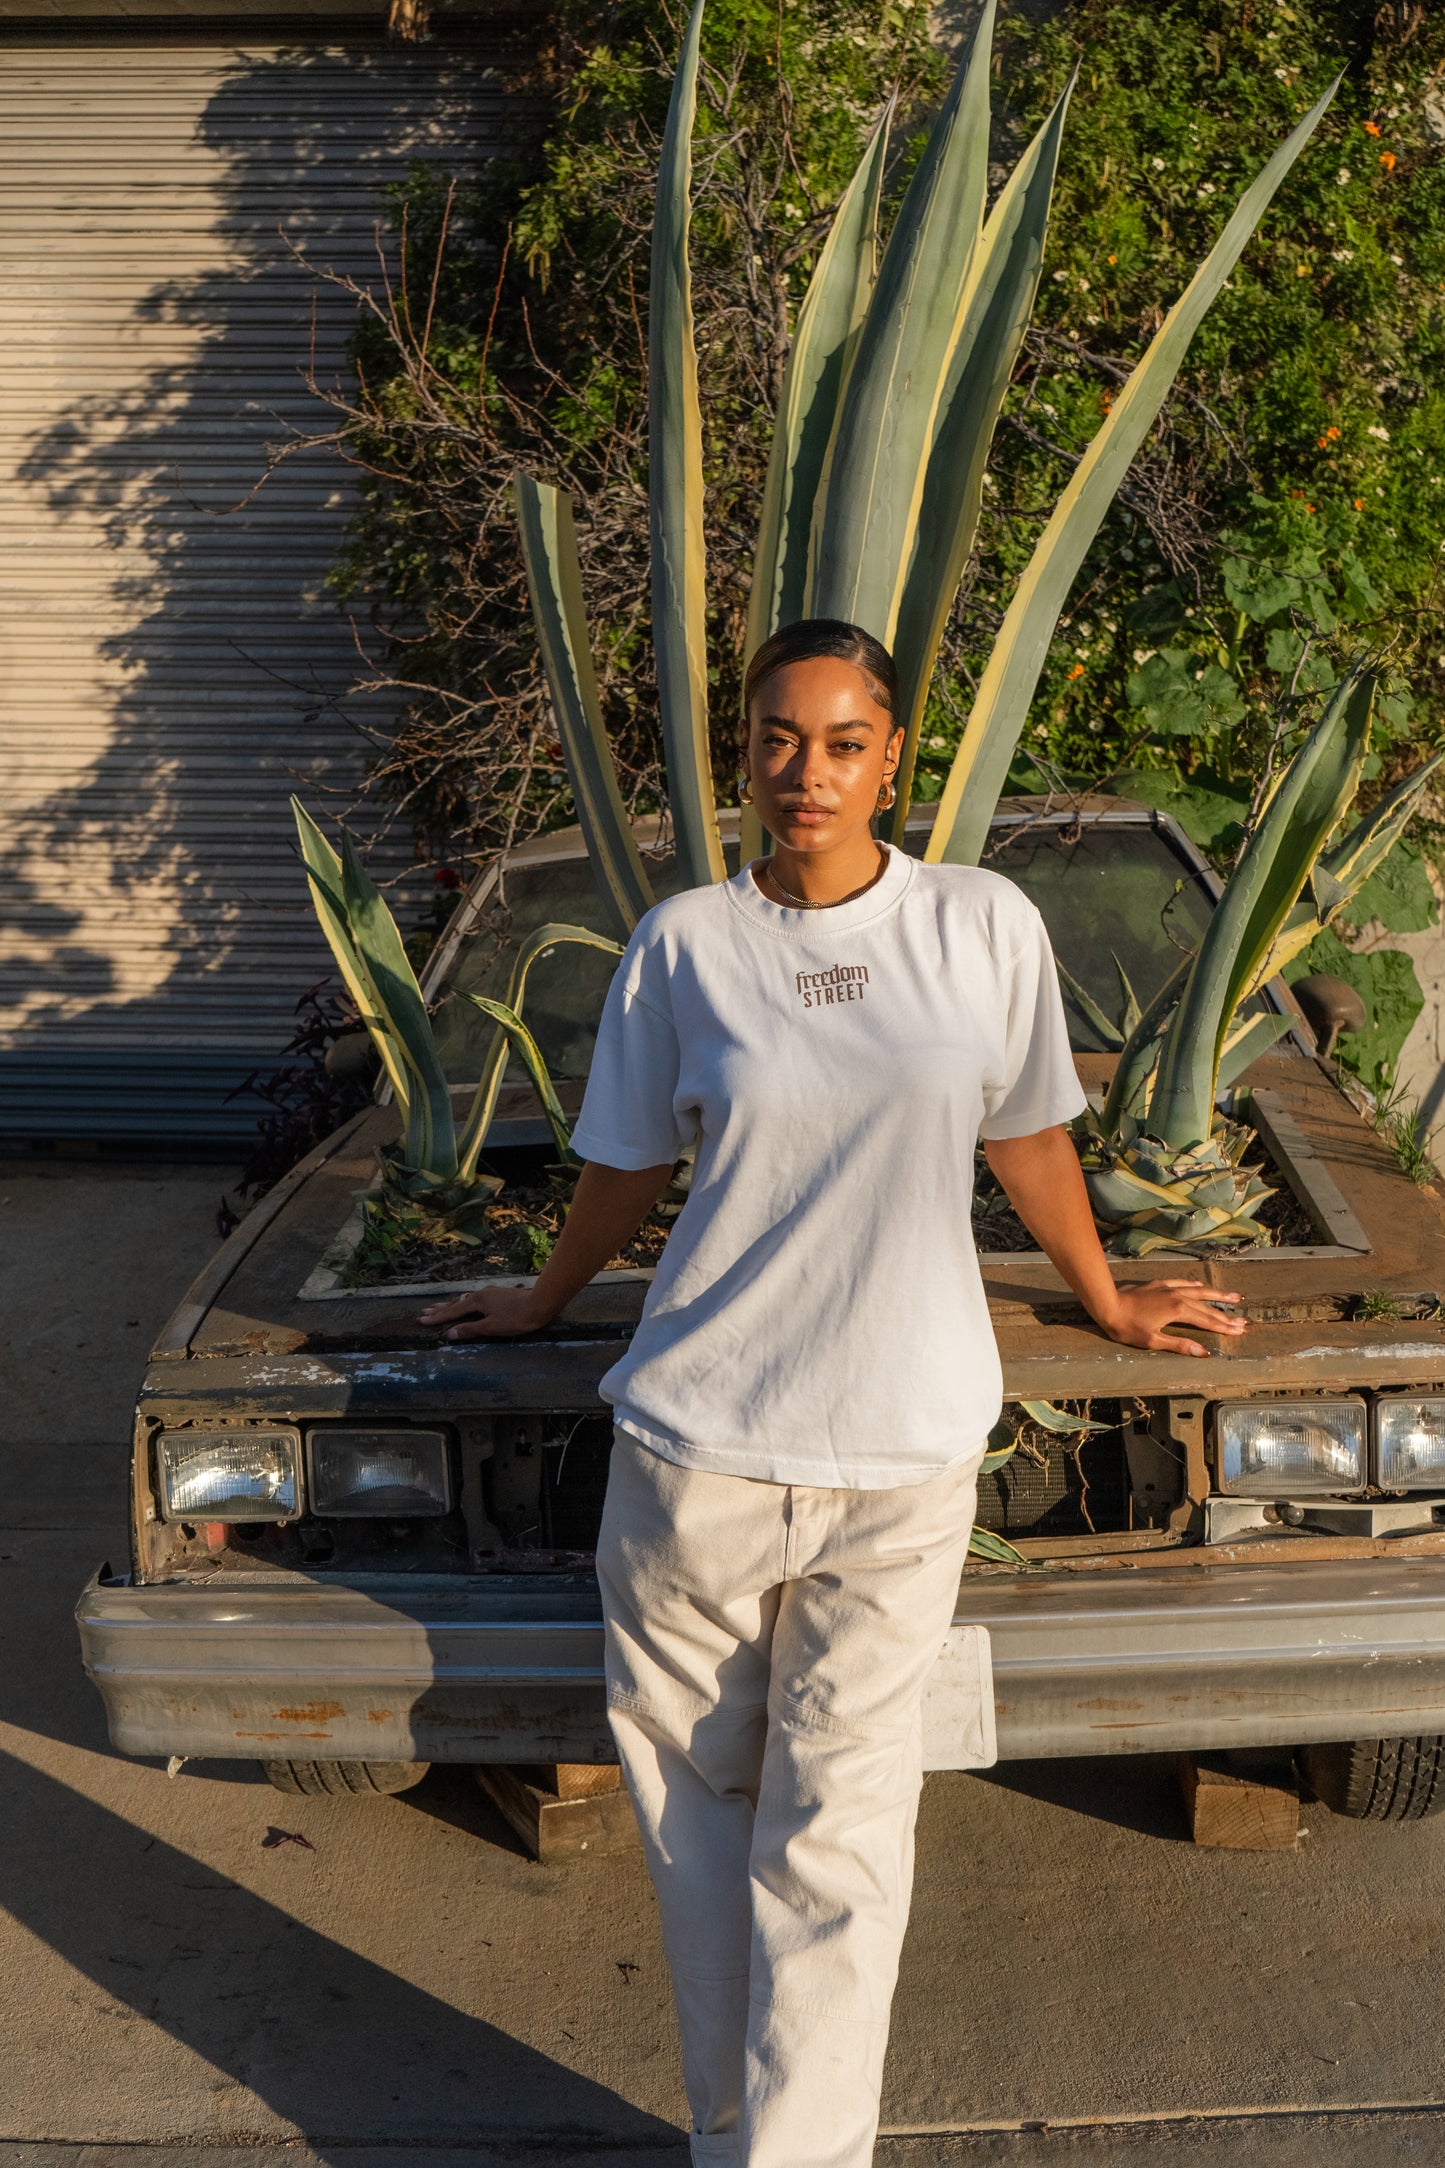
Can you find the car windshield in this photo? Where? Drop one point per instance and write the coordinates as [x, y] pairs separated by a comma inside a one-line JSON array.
[[1117, 898], [1121, 904]]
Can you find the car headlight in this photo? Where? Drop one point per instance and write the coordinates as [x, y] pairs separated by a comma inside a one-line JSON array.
[[1410, 1444], [361, 1473], [1285, 1448], [229, 1475]]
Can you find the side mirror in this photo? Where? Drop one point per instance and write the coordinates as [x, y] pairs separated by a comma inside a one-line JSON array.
[[1330, 1006]]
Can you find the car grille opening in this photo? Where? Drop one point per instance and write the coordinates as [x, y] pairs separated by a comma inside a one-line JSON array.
[[1058, 1486]]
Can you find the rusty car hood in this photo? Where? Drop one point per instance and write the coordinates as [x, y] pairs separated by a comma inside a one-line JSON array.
[[1304, 1304]]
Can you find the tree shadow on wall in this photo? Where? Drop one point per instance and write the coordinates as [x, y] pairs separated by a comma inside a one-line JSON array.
[[222, 668]]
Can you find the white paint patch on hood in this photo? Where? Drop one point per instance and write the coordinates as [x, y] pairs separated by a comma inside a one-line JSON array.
[[1396, 1351]]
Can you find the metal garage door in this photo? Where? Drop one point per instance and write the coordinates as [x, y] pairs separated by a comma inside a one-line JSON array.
[[171, 666]]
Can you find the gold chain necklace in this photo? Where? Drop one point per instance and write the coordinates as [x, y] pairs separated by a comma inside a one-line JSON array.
[[806, 903]]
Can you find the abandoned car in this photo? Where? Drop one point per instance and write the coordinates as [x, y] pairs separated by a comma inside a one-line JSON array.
[[358, 1550]]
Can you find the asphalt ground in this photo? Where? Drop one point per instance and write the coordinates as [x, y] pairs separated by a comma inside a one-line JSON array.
[[182, 1981]]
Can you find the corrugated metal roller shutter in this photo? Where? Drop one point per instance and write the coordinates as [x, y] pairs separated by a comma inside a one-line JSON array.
[[169, 666]]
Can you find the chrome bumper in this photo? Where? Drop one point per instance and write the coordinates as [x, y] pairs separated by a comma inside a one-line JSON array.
[[510, 1669]]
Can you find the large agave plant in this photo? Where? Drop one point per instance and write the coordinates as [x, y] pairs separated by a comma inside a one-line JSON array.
[[1163, 1167], [431, 1181], [896, 376]]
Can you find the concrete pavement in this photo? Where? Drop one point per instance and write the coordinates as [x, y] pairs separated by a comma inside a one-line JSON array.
[[180, 1982], [93, 1255]]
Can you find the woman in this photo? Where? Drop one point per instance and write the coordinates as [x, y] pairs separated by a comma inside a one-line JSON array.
[[802, 1411]]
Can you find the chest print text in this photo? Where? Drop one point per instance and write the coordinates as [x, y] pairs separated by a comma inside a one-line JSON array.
[[823, 989]]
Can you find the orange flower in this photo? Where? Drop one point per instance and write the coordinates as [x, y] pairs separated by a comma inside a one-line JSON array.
[[1113, 259], [1359, 504], [1309, 508], [1331, 433], [1372, 127], [1108, 399], [1322, 442], [1387, 160], [1077, 671]]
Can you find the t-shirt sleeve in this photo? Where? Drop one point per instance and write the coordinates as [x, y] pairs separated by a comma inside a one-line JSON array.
[[627, 1117], [1033, 1085]]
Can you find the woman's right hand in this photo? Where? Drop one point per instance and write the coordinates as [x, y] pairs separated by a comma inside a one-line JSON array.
[[493, 1313], [608, 1206]]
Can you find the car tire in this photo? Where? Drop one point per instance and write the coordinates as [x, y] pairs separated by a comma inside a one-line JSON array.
[[1378, 1780], [344, 1779]]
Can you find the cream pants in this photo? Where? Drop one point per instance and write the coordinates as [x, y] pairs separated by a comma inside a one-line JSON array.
[[767, 1648]]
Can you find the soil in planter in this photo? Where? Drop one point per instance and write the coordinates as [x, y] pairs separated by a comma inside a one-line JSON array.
[[527, 1218], [521, 1227]]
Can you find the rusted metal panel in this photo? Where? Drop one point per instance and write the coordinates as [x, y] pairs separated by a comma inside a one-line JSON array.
[[480, 1376], [472, 1673], [1305, 1169], [1112, 1662]]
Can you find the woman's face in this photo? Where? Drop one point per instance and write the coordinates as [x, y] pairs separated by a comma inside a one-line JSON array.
[[819, 751]]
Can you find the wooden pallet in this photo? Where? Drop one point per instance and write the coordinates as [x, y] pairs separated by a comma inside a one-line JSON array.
[[563, 1809]]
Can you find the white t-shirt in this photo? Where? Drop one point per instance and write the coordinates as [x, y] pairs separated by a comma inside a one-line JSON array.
[[818, 1315]]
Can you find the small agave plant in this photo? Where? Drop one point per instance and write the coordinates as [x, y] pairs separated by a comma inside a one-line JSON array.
[[431, 1183], [1164, 1168], [896, 376]]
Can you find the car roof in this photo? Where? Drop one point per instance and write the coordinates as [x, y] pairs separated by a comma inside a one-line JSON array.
[[1053, 805]]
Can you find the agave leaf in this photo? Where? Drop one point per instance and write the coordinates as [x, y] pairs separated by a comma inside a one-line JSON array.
[[1247, 1042], [323, 870], [494, 1068], [1103, 1026], [822, 351], [752, 836], [824, 341], [867, 512], [1347, 867], [1058, 1420], [430, 1144], [1006, 689], [1141, 1050], [1296, 934], [1328, 891], [531, 1055], [1002, 287], [675, 495], [1316, 787], [554, 579], [1131, 999], [1121, 1194], [1368, 844], [983, 1543]]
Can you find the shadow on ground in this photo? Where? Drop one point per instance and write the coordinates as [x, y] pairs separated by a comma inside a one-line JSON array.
[[183, 1947], [1130, 1791]]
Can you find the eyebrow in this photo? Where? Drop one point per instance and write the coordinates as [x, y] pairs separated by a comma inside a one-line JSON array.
[[784, 722]]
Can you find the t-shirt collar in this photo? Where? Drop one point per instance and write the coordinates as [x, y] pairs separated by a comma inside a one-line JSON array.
[[790, 924]]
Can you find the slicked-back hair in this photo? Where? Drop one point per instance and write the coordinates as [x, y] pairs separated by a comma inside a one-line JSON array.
[[831, 636]]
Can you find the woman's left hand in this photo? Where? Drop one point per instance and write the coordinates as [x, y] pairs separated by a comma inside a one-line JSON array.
[[1139, 1314]]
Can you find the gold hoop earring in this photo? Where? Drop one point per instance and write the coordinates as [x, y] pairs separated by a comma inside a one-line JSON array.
[[745, 789], [887, 795]]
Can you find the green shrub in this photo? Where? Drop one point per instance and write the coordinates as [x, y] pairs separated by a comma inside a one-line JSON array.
[[1298, 490]]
